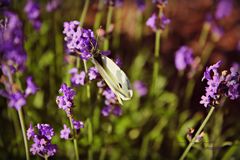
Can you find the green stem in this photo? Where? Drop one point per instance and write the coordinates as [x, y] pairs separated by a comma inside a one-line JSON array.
[[197, 134], [46, 157], [109, 17], [188, 92], [139, 27], [204, 34], [99, 15], [117, 29], [90, 139], [207, 53], [156, 60], [20, 114], [74, 140], [88, 86], [156, 57], [84, 12]]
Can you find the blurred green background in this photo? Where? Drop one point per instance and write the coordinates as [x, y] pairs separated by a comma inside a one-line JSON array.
[[151, 127]]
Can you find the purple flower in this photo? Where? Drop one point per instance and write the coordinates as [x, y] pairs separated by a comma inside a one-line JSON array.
[[65, 101], [30, 132], [108, 94], [45, 130], [105, 53], [224, 8], [78, 79], [211, 69], [68, 92], [233, 82], [101, 84], [183, 58], [42, 140], [106, 111], [31, 87], [16, 100], [156, 23], [111, 109], [79, 40], [118, 61], [141, 4], [11, 42], [32, 9], [220, 85], [117, 111], [205, 100], [38, 145], [65, 132], [50, 149], [141, 88], [77, 124], [52, 5], [92, 73]]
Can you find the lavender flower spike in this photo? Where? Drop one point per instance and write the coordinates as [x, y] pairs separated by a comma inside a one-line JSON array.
[[79, 40], [224, 8], [31, 87], [141, 88], [220, 85], [42, 145], [183, 58], [156, 23], [65, 132], [32, 9]]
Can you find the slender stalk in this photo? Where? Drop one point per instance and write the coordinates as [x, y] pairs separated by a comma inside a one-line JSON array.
[[139, 27], [99, 15], [188, 92], [46, 157], [88, 86], [84, 12], [117, 29], [90, 138], [204, 34], [207, 53], [23, 133], [197, 134], [74, 140], [156, 60], [156, 57], [109, 17]]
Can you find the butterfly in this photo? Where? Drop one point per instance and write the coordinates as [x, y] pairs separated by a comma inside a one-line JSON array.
[[115, 78]]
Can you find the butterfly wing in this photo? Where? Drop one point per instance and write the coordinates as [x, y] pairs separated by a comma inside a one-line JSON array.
[[115, 78], [119, 78]]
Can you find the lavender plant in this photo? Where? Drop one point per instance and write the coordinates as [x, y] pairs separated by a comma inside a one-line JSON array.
[[42, 145], [13, 58], [219, 86], [157, 22], [32, 9], [65, 102]]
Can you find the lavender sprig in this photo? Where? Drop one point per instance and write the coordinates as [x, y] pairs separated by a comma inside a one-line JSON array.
[[32, 9], [42, 145], [220, 85]]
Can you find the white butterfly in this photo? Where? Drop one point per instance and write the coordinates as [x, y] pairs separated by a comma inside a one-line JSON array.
[[115, 78]]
